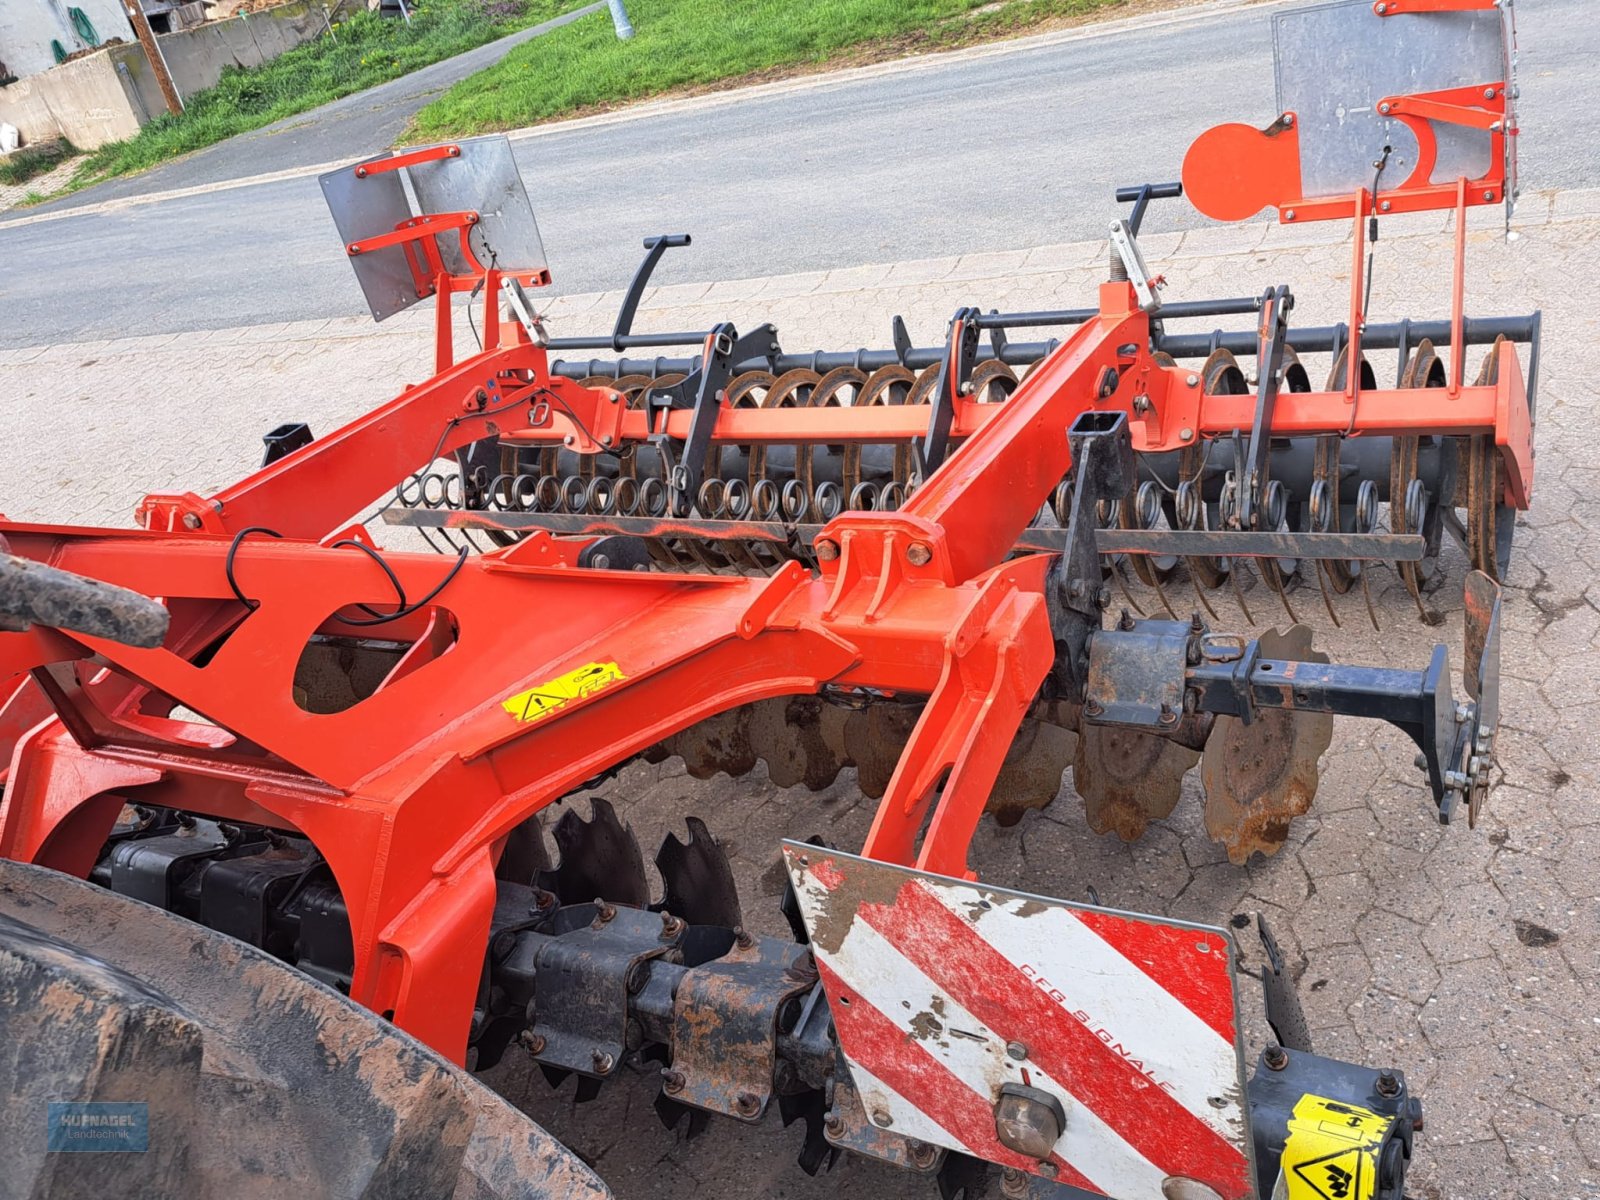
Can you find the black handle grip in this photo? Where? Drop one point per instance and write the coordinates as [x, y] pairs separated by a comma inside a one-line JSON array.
[[666, 239], [1158, 191]]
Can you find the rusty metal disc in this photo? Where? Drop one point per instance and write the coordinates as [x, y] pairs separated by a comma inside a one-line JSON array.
[[1259, 777], [1128, 778], [1030, 776]]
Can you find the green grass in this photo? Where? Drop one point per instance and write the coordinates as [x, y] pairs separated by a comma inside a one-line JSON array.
[[369, 50], [25, 162], [693, 43]]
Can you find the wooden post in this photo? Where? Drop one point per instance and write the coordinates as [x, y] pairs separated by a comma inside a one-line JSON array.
[[152, 52]]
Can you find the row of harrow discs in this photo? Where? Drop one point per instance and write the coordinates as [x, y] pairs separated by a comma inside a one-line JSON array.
[[760, 505]]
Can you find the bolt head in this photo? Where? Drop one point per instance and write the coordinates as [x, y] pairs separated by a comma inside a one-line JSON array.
[[1386, 109], [1381, 9], [568, 440], [827, 549], [1288, 120], [1488, 195], [918, 554], [1017, 1051], [1385, 206], [1193, 381], [531, 1041], [1276, 1058], [834, 1124], [191, 521], [603, 1062], [1489, 93], [747, 1104], [1289, 216], [672, 1081], [1186, 434]]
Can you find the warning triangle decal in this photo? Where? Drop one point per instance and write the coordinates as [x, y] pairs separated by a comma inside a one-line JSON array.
[[1335, 1176]]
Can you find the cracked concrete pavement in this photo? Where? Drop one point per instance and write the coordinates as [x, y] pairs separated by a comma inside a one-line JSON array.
[[1467, 957]]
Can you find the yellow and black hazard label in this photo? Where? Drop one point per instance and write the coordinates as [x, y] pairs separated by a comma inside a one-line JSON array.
[[539, 702], [1332, 1151]]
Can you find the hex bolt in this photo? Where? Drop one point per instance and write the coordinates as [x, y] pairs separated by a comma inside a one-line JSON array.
[[191, 521], [1186, 434], [1388, 1084], [531, 1042], [1488, 93], [1385, 206], [1386, 109], [747, 1104], [918, 554], [833, 1123], [1288, 120], [922, 1155], [604, 912], [1016, 1050], [600, 562], [827, 549], [1381, 9], [568, 440], [742, 939], [672, 1081], [671, 927], [1289, 216], [1093, 708], [1488, 195], [1276, 1058], [1013, 1184], [603, 1062], [1125, 623], [1047, 1169], [1193, 381], [1168, 716]]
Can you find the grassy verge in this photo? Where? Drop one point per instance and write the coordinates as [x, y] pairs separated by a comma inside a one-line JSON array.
[[26, 162], [369, 50], [685, 45]]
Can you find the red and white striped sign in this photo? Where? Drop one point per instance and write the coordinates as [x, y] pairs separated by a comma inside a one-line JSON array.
[[1129, 1021]]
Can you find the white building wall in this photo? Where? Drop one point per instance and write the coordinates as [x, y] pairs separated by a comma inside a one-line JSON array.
[[28, 26]]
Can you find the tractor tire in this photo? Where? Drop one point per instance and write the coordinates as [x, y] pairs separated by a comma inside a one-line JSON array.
[[255, 1080]]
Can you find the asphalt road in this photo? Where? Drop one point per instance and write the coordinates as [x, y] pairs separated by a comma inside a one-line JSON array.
[[991, 153]]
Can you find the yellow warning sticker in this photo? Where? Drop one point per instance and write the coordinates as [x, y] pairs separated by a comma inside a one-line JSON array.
[[539, 702], [1332, 1150]]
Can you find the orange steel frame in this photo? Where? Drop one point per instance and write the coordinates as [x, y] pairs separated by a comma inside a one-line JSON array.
[[411, 793]]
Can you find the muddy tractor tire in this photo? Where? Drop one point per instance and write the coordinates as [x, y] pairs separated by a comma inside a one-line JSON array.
[[255, 1080]]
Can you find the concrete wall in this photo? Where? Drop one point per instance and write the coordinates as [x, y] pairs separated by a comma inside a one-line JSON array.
[[28, 26], [104, 97], [197, 57], [85, 101]]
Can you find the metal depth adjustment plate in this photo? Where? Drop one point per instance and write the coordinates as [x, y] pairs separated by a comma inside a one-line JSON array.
[[956, 1002], [1335, 62], [482, 178]]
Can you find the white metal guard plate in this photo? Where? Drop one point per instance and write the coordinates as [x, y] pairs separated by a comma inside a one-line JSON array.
[[1131, 1021]]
